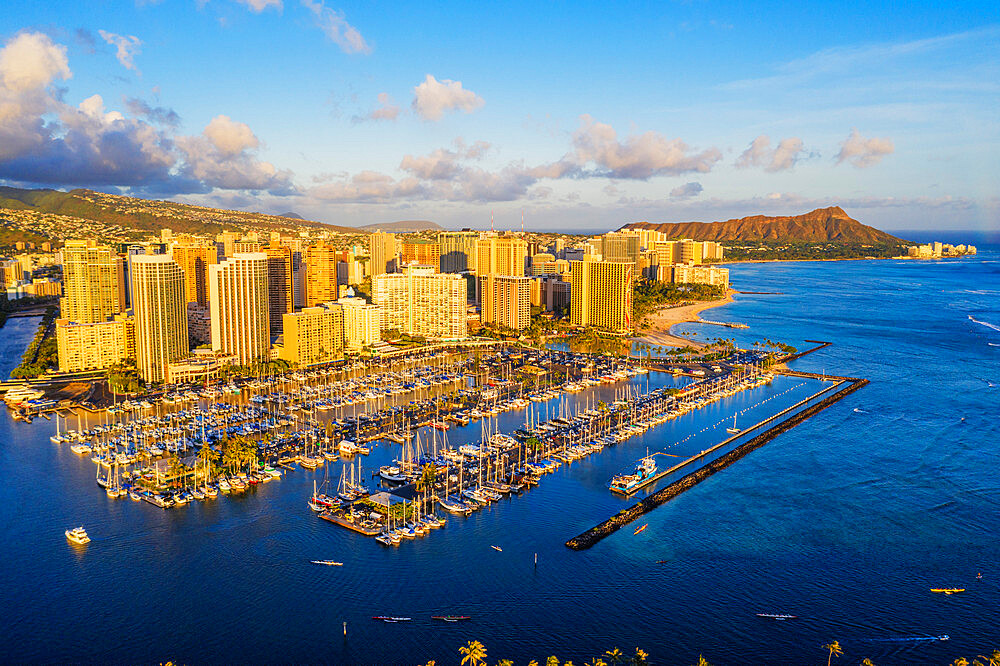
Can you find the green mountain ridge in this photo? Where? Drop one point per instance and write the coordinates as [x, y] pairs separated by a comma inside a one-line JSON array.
[[145, 216]]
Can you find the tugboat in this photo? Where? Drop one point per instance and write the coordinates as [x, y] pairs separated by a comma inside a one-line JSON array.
[[626, 484]]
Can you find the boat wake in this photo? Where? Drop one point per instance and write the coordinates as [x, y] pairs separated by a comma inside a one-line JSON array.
[[984, 323], [859, 411], [993, 344], [908, 639]]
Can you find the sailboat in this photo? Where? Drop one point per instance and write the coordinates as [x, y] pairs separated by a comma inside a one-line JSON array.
[[734, 430]]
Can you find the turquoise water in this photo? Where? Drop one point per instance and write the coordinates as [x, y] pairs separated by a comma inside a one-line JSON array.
[[845, 521]]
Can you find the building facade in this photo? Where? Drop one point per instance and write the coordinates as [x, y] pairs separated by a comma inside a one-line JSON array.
[[313, 335], [698, 274], [505, 301], [362, 323], [93, 282], [384, 253], [321, 274], [239, 305], [280, 286], [501, 255], [159, 306], [422, 252], [94, 346], [420, 301], [458, 251], [601, 294], [194, 260]]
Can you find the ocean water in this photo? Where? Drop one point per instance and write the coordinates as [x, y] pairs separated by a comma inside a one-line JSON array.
[[846, 521]]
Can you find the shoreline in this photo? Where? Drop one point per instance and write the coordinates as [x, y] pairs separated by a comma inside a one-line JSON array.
[[662, 321]]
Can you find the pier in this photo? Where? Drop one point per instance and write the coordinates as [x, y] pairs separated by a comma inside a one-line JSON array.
[[844, 386]]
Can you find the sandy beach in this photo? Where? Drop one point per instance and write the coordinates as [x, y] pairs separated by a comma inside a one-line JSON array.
[[661, 321]]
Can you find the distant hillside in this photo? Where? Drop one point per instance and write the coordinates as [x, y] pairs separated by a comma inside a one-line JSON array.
[[57, 215], [294, 216], [822, 224], [403, 226]]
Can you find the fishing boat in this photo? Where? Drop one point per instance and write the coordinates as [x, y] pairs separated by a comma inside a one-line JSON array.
[[390, 618], [497, 548], [640, 528], [947, 590], [777, 616], [451, 618], [78, 535], [329, 563]]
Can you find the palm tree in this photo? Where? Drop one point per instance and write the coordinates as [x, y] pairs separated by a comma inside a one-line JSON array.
[[867, 662], [505, 662], [552, 661], [475, 653], [209, 458], [834, 649], [640, 657], [961, 661], [702, 661], [597, 661]]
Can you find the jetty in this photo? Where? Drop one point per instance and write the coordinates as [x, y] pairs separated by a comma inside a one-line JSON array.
[[843, 387]]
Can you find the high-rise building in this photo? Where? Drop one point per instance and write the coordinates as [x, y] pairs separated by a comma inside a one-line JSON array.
[[321, 274], [298, 279], [620, 246], [601, 294], [94, 346], [362, 322], [226, 242], [421, 252], [550, 293], [11, 271], [506, 301], [384, 253], [160, 311], [313, 335], [239, 301], [501, 255], [194, 260], [420, 301], [280, 287], [543, 264], [458, 251], [697, 274], [93, 282]]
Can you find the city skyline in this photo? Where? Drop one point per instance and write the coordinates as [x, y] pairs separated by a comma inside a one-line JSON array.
[[352, 115]]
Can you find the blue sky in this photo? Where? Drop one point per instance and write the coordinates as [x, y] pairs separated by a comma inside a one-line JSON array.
[[580, 115]]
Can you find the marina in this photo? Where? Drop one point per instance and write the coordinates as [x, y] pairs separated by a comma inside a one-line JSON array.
[[798, 512]]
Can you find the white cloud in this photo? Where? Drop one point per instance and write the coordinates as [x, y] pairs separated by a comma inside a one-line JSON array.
[[127, 47], [44, 140], [433, 98], [862, 152], [387, 109], [30, 61], [760, 154], [230, 137], [260, 5], [639, 157], [224, 157], [336, 28], [686, 191]]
